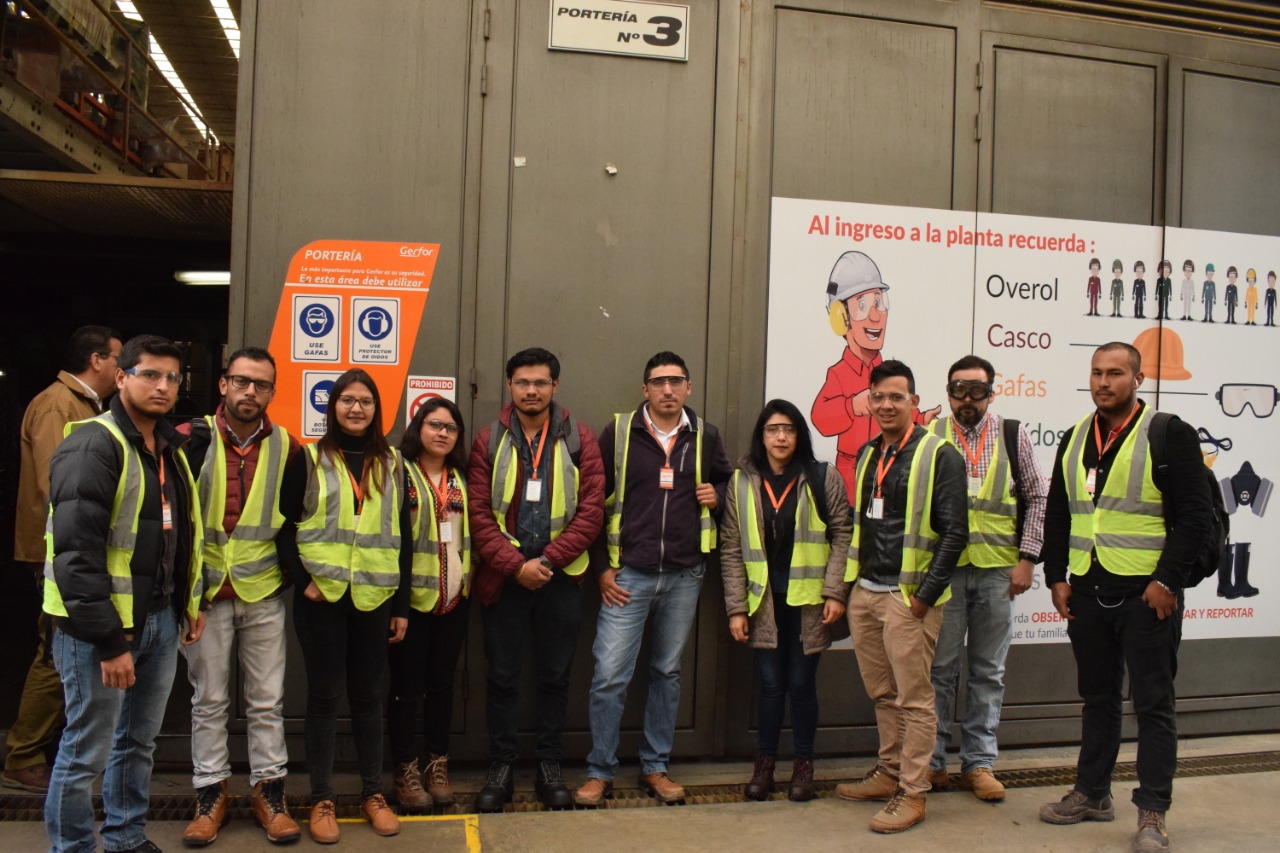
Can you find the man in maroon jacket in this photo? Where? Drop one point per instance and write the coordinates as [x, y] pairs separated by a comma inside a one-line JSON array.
[[536, 503]]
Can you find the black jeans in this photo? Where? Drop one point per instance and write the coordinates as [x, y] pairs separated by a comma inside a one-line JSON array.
[[553, 614], [787, 670], [343, 646], [422, 673], [1109, 636]]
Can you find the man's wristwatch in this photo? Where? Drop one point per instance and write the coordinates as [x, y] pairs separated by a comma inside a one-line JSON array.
[[545, 562], [1165, 587]]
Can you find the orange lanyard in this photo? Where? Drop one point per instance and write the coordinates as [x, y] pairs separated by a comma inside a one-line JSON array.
[[359, 485], [160, 462], [441, 492], [883, 469], [1111, 437], [542, 440], [968, 451], [776, 501], [671, 442]]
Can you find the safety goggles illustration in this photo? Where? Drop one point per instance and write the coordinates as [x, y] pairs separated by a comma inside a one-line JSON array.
[[1234, 397]]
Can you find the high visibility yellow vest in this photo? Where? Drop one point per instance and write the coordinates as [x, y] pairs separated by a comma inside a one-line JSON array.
[[919, 540], [1126, 525], [248, 554], [426, 542], [707, 534], [339, 548], [564, 501], [122, 535], [809, 552], [993, 511]]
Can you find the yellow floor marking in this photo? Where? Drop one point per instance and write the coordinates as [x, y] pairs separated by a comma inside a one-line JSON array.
[[471, 825]]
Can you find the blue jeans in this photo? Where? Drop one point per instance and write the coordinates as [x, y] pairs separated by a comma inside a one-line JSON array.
[[980, 607], [672, 598], [111, 730]]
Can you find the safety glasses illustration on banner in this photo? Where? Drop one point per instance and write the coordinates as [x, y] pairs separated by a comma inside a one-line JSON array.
[[1234, 397]]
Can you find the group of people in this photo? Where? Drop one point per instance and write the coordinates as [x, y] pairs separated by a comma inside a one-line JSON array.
[[166, 539]]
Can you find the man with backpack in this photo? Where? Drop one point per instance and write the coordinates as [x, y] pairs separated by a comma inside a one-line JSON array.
[[536, 503], [1006, 529], [668, 469], [1129, 530]]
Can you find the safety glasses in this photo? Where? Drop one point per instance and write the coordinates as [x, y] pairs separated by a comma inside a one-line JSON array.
[[1235, 396]]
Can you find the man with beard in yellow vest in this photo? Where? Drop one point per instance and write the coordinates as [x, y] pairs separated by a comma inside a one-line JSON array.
[[240, 457], [1105, 528]]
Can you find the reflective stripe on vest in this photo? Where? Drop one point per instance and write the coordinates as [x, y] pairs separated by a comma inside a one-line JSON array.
[[248, 553], [426, 542], [809, 552], [707, 533], [993, 512], [564, 502], [1126, 526], [122, 534], [336, 549], [919, 540]]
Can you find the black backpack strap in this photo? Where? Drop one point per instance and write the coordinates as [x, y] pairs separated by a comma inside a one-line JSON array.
[[573, 440], [708, 437], [1158, 438], [496, 432], [816, 475], [1009, 432]]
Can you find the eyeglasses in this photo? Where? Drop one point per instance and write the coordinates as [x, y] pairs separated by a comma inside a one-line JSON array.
[[352, 402], [1234, 397], [675, 382], [961, 389], [442, 426], [896, 398], [262, 386], [779, 429], [860, 306], [526, 384], [153, 377]]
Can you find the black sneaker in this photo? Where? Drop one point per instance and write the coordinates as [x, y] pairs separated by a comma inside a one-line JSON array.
[[550, 786], [1075, 807], [499, 786]]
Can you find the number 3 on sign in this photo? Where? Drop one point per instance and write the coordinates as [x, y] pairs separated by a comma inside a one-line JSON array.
[[668, 34]]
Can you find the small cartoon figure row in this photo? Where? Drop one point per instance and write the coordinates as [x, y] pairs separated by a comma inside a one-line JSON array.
[[1164, 292]]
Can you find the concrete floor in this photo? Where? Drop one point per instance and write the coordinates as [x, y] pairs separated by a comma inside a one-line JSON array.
[[1210, 813]]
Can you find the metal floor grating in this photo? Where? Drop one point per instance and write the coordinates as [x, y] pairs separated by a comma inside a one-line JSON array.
[[14, 806]]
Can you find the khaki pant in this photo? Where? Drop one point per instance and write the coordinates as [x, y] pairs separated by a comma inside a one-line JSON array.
[[40, 712], [895, 655]]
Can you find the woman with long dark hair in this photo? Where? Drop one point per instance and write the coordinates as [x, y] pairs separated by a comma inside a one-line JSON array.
[[345, 546], [434, 449], [784, 541]]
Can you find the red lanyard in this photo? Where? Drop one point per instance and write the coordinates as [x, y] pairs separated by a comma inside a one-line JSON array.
[[968, 451], [883, 469], [671, 442], [537, 457], [1111, 437], [776, 501]]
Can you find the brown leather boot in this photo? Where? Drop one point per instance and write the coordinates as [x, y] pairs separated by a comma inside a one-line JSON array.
[[380, 815], [211, 815], [761, 784], [437, 775], [406, 788], [323, 824], [801, 788], [272, 814]]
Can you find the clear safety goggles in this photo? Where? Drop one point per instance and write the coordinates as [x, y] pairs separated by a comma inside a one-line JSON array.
[[860, 305], [1234, 397]]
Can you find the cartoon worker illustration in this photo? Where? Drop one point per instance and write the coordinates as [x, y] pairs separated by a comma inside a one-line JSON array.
[[1232, 295], [1270, 299], [1164, 290], [1117, 287], [858, 310], [1251, 298], [1210, 293], [1188, 288], [1094, 288], [1139, 289]]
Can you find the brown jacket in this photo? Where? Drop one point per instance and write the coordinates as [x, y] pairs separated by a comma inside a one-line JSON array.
[[52, 409], [764, 632]]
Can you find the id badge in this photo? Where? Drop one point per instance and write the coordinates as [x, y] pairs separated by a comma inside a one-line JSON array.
[[975, 485], [446, 531], [876, 510], [666, 477], [166, 515], [1091, 480], [533, 490]]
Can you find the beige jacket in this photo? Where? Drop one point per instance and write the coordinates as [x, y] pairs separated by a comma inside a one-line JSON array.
[[764, 632], [52, 409]]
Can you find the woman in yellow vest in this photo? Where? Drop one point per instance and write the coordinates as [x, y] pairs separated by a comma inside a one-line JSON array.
[[434, 449], [342, 499], [784, 540]]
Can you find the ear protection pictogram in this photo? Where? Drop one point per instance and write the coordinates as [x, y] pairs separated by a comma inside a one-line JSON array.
[[838, 316]]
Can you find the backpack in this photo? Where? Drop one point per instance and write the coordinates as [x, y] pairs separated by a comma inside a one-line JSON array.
[[1010, 433], [816, 476], [1214, 546]]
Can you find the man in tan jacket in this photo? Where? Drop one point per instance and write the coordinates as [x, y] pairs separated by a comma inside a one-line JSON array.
[[87, 378]]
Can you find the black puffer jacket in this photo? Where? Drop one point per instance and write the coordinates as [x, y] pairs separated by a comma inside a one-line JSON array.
[[83, 476]]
